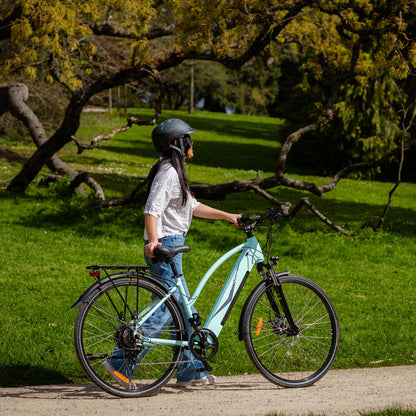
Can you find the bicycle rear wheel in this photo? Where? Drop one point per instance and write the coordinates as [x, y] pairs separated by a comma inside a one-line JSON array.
[[110, 352], [284, 359]]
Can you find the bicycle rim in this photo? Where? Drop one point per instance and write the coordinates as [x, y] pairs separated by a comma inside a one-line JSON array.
[[292, 360], [104, 334]]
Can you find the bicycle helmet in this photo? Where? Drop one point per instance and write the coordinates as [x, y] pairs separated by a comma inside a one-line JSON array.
[[169, 135]]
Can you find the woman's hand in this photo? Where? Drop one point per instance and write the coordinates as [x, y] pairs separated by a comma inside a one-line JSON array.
[[233, 219], [148, 248]]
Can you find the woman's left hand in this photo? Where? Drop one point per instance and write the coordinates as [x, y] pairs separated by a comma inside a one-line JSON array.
[[148, 249]]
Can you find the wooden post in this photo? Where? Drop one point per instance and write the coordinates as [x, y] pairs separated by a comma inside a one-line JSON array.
[[125, 98], [192, 88]]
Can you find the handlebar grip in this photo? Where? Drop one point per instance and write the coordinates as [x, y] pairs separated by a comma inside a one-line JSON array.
[[273, 214], [244, 219]]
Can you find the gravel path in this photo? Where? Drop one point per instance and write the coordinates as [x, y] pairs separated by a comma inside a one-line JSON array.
[[340, 392]]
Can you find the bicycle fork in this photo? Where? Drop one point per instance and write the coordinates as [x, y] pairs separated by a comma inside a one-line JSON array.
[[270, 274]]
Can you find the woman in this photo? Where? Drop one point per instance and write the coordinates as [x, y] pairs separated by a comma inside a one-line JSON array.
[[168, 214]]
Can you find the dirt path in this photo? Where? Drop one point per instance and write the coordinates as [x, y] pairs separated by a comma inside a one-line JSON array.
[[340, 392]]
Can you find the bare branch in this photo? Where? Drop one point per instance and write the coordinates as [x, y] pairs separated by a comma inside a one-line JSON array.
[[305, 202], [363, 166], [84, 177], [96, 141], [130, 120], [387, 207], [405, 131], [267, 196], [295, 136]]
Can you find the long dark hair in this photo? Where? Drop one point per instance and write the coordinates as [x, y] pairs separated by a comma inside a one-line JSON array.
[[178, 162]]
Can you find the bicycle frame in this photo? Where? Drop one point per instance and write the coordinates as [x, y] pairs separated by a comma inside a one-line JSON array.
[[288, 324], [250, 254]]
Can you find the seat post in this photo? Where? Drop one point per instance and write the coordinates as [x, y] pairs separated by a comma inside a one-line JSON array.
[[174, 269]]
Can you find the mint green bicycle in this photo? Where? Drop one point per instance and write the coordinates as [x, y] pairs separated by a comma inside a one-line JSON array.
[[289, 325]]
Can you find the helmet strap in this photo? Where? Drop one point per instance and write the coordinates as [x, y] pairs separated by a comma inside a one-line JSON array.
[[179, 149]]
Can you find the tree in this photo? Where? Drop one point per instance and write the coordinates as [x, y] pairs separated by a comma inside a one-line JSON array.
[[72, 42], [363, 63], [211, 85], [353, 56]]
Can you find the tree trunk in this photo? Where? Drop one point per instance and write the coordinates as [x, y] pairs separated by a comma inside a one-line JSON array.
[[13, 98], [191, 89], [71, 120], [46, 148]]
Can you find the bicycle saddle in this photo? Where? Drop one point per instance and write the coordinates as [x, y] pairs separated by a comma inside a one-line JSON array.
[[166, 254]]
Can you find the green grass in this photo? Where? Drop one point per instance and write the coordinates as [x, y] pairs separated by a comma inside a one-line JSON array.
[[391, 412], [386, 412], [48, 237]]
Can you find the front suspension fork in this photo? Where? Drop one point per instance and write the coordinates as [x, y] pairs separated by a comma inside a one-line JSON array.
[[266, 271]]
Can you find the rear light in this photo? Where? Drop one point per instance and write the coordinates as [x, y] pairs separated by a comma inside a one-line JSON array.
[[95, 273]]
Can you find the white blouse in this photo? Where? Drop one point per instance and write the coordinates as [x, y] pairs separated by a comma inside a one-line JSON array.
[[165, 203]]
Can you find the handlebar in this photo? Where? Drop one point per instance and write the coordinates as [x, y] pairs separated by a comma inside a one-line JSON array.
[[273, 215]]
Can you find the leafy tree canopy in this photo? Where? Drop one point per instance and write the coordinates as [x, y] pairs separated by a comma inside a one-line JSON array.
[[360, 57], [355, 57], [60, 35]]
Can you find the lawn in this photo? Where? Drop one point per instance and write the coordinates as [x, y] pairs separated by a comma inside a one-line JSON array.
[[48, 237]]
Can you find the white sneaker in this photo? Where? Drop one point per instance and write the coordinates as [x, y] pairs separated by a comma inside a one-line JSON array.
[[208, 379], [203, 381]]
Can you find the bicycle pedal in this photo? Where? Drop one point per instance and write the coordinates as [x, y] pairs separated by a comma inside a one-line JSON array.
[[207, 367], [196, 320]]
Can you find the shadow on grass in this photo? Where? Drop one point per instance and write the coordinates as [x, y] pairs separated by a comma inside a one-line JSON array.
[[128, 222], [216, 154], [248, 128], [26, 375], [210, 149], [348, 214]]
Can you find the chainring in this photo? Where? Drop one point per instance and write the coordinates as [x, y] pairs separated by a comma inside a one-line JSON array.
[[203, 344]]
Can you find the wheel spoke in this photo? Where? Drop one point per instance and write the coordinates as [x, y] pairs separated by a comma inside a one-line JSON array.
[[108, 347], [281, 356]]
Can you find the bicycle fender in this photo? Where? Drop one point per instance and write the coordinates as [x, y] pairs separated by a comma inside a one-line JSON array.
[[106, 279], [243, 311]]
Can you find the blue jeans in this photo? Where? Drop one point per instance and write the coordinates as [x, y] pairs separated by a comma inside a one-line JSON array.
[[189, 370]]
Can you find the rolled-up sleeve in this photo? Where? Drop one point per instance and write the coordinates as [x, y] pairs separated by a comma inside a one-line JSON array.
[[159, 196], [194, 203], [165, 203]]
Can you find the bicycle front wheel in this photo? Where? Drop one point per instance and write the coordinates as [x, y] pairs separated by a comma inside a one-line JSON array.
[[107, 344], [281, 357]]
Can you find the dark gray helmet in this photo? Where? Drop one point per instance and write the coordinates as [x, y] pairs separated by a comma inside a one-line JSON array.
[[167, 132]]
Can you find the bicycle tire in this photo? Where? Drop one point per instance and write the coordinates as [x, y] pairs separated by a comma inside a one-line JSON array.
[[284, 359], [103, 334]]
